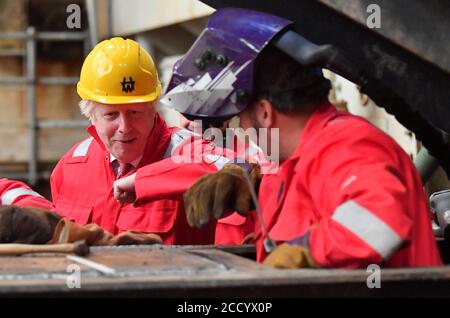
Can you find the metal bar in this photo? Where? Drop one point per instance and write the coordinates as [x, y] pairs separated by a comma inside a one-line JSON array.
[[31, 102], [13, 80], [12, 52], [110, 14], [63, 123], [86, 46], [58, 80], [426, 164], [13, 35], [61, 36], [106, 270], [54, 80], [269, 243], [91, 12], [46, 36], [23, 175]]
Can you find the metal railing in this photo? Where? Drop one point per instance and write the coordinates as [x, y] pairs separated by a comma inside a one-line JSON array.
[[30, 36]]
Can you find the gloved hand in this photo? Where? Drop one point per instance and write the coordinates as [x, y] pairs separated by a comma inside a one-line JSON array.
[[290, 256], [225, 190], [135, 238], [69, 232], [29, 225]]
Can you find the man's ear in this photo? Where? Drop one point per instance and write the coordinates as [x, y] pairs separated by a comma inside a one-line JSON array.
[[265, 113]]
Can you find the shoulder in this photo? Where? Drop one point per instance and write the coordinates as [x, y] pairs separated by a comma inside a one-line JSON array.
[[19, 193], [349, 143], [7, 184], [80, 152], [80, 149], [349, 134]]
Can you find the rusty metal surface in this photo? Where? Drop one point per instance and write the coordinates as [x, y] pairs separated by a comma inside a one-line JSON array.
[[156, 271]]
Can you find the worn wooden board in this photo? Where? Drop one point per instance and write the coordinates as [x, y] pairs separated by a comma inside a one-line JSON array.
[[156, 271]]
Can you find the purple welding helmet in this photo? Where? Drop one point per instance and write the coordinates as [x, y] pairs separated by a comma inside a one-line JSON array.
[[214, 78]]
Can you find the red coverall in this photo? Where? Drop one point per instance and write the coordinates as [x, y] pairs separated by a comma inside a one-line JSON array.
[[14, 192], [82, 187], [234, 229], [354, 193]]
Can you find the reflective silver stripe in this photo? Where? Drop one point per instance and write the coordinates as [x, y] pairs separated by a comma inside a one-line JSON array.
[[368, 227], [218, 161], [11, 195], [82, 148], [177, 139]]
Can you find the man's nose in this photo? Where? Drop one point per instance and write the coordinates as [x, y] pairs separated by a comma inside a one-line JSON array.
[[125, 123]]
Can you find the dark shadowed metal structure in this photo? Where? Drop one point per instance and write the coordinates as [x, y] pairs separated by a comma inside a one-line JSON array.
[[404, 66]]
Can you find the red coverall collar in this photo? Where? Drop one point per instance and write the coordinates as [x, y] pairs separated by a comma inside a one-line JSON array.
[[316, 122]]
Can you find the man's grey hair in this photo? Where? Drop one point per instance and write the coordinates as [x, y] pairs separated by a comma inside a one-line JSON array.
[[87, 108]]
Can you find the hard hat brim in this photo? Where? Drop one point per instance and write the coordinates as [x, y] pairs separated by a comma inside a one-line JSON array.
[[88, 95]]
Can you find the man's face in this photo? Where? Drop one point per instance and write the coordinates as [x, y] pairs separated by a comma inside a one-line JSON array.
[[124, 128], [247, 119]]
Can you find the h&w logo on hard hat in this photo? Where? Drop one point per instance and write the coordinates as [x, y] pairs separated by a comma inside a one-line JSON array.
[[127, 86]]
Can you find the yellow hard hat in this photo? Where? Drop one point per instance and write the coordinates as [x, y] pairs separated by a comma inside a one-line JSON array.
[[119, 71]]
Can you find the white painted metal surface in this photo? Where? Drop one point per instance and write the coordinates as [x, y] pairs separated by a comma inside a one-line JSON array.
[[134, 16]]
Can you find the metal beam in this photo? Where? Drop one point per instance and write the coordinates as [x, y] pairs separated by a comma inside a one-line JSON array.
[[421, 84], [409, 86], [45, 36], [63, 123], [31, 102]]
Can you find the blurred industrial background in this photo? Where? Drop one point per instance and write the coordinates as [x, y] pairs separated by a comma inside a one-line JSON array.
[[41, 58]]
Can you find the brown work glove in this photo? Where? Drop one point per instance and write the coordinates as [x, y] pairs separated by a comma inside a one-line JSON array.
[[135, 238], [69, 232], [290, 256], [29, 225], [225, 190]]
